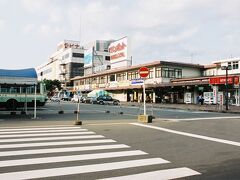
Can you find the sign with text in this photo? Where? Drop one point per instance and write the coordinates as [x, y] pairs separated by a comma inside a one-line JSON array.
[[119, 50], [143, 72], [222, 80], [88, 57]]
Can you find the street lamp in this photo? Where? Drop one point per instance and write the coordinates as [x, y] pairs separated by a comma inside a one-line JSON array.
[[226, 85]]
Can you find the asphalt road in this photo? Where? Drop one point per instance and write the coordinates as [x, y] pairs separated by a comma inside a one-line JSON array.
[[187, 144]]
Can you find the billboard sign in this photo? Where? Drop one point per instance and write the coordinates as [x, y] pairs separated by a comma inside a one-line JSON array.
[[88, 57], [222, 80], [119, 50]]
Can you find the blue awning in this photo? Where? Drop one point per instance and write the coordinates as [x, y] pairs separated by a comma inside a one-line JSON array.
[[27, 73]]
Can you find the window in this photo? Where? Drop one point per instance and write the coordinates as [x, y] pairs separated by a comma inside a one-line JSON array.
[[171, 73], [102, 80], [121, 76], [158, 72], [78, 55], [235, 65], [178, 73], [165, 72], [107, 58], [81, 82], [112, 77], [150, 73]]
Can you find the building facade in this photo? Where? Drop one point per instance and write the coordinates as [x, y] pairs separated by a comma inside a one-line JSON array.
[[68, 61], [168, 82]]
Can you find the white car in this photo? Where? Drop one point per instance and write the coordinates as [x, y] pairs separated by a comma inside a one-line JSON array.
[[55, 99], [76, 98]]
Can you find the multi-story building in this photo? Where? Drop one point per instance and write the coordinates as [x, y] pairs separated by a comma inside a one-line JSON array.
[[125, 83], [68, 61], [169, 82]]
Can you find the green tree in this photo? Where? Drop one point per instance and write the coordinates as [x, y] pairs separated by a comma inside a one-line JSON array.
[[51, 85]]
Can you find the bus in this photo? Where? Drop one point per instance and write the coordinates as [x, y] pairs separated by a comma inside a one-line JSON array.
[[19, 88]]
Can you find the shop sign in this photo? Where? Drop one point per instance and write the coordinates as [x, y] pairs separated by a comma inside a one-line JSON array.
[[137, 82], [222, 80], [118, 50]]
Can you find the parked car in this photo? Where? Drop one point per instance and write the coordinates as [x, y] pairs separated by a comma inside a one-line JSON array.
[[76, 98], [91, 100], [55, 99], [107, 100]]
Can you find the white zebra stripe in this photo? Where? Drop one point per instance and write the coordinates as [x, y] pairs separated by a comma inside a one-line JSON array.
[[59, 150], [45, 134], [37, 128], [81, 157], [55, 143], [43, 173], [43, 131], [161, 174], [49, 138]]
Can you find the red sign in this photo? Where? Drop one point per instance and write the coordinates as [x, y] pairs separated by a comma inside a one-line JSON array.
[[222, 80], [143, 72]]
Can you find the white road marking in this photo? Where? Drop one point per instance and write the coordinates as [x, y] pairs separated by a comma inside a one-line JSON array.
[[45, 134], [59, 150], [42, 131], [50, 138], [161, 174], [206, 118], [234, 143], [81, 157], [55, 143], [42, 173], [42, 128]]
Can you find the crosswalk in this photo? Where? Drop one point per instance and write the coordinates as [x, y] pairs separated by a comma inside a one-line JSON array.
[[76, 153]]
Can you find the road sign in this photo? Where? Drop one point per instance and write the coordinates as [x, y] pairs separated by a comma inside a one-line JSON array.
[[143, 72]]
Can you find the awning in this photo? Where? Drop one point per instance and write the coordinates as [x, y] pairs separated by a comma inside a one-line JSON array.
[[21, 76]]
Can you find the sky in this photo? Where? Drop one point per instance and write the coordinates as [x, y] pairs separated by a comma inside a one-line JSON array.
[[191, 31]]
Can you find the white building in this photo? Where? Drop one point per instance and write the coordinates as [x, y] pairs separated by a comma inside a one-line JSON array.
[[68, 61]]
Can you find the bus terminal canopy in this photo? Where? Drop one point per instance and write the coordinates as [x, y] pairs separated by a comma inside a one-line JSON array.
[[20, 77]]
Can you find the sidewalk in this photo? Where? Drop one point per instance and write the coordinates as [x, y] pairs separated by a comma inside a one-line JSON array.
[[193, 107]]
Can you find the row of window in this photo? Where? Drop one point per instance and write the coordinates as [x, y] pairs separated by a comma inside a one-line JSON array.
[[233, 64], [160, 72], [81, 55]]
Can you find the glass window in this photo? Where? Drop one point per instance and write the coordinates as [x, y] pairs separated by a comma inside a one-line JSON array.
[[78, 55], [178, 73], [150, 73], [171, 73], [112, 77], [165, 72], [235, 65], [158, 72]]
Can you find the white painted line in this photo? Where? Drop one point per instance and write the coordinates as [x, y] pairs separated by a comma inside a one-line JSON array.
[[234, 143], [161, 174], [50, 138], [22, 162], [55, 143], [45, 134], [42, 173], [42, 128], [43, 131], [207, 118], [59, 150]]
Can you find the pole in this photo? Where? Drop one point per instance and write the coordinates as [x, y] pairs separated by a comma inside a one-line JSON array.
[[35, 102], [144, 98], [226, 95]]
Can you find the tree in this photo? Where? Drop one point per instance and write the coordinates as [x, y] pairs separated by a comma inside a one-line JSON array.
[[51, 85]]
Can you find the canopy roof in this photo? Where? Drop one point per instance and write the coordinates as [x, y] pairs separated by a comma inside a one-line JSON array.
[[29, 73], [20, 76]]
